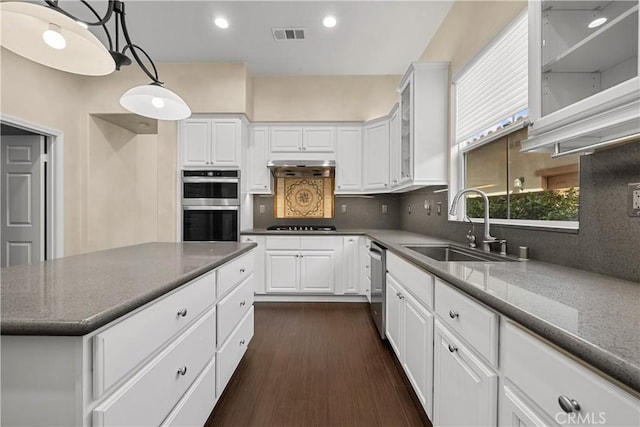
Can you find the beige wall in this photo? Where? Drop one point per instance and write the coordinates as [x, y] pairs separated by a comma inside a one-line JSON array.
[[106, 166], [323, 98], [468, 27]]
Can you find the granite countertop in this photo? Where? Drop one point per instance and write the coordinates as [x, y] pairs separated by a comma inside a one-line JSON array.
[[78, 294], [594, 317]]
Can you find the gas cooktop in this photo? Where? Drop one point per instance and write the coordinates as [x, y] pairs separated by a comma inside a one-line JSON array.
[[302, 228]]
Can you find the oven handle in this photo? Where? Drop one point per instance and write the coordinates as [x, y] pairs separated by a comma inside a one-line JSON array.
[[210, 208], [208, 180]]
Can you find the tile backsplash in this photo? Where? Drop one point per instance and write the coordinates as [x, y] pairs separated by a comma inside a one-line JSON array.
[[607, 242], [350, 212]]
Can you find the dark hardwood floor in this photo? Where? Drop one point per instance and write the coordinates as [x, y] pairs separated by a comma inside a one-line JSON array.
[[317, 364]]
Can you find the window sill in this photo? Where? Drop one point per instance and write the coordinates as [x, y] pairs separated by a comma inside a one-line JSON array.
[[571, 227]]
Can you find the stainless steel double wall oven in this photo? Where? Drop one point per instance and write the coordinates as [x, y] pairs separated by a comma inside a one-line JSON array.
[[210, 205]]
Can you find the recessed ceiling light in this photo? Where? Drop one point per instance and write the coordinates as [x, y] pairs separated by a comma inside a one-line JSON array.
[[221, 22], [597, 22], [329, 21]]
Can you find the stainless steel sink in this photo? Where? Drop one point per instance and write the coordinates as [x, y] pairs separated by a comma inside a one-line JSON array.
[[456, 253]]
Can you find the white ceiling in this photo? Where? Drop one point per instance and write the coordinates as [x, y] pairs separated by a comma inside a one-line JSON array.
[[371, 37]]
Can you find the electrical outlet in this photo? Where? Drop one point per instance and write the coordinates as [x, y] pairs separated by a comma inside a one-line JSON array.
[[427, 206], [439, 208], [262, 209], [343, 209], [409, 209], [384, 209], [633, 205]]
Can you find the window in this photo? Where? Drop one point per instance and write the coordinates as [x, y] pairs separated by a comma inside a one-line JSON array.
[[520, 186], [490, 115]]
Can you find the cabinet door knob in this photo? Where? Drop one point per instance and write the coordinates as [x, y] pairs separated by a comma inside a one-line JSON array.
[[241, 342], [242, 270], [568, 405], [182, 312], [453, 348], [182, 371], [453, 314], [265, 186], [242, 303]]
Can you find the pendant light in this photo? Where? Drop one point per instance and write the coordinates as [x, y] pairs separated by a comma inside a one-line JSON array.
[[43, 35], [51, 36]]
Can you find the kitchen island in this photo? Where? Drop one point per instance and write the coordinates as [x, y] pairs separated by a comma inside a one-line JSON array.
[[134, 335]]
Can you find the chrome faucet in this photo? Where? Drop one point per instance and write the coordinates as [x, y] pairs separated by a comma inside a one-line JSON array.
[[487, 238]]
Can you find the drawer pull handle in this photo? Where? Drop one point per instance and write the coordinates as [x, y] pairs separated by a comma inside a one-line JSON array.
[[453, 314], [453, 348], [182, 312], [568, 405], [242, 303], [401, 296], [241, 342], [242, 270], [182, 371]]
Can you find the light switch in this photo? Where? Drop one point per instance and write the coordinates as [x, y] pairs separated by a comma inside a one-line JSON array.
[[262, 209], [343, 209]]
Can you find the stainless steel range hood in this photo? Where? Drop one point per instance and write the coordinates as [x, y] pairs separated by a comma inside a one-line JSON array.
[[302, 168]]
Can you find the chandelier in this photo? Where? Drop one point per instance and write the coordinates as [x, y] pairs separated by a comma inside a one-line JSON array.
[[51, 36]]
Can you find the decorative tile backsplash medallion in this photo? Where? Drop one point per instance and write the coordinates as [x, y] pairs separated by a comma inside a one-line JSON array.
[[304, 198]]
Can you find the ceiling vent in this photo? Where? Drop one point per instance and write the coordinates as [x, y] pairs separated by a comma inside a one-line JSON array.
[[283, 34]]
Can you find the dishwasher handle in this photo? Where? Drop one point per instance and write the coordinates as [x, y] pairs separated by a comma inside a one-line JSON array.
[[375, 254]]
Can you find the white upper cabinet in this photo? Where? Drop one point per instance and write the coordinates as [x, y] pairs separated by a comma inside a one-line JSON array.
[[259, 176], [376, 155], [422, 150], [349, 160], [395, 150], [295, 139], [583, 78], [207, 141]]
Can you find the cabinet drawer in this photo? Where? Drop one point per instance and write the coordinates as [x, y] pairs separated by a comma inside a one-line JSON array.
[[151, 394], [417, 281], [233, 272], [318, 243], [197, 403], [119, 349], [287, 243], [233, 307], [229, 355], [544, 374], [475, 323]]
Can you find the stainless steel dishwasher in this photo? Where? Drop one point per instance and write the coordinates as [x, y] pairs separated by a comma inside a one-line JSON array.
[[378, 255]]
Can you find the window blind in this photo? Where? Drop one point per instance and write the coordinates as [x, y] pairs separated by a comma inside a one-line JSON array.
[[494, 87]]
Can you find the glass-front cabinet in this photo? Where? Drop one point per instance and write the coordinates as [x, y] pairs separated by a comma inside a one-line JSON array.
[[583, 64], [405, 132]]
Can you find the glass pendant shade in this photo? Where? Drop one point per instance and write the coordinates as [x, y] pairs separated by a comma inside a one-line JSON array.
[[156, 102], [22, 30]]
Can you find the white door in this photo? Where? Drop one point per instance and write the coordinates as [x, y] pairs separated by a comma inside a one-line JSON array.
[[282, 271], [286, 139], [395, 309], [464, 388], [317, 271], [196, 142], [259, 174], [376, 156], [350, 266], [418, 350], [349, 160], [226, 142], [318, 139], [22, 199]]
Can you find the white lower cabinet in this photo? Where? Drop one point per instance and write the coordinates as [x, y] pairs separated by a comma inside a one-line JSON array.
[[148, 397], [464, 387], [350, 264], [195, 406], [302, 265], [515, 412], [563, 391], [230, 353], [258, 264], [409, 330]]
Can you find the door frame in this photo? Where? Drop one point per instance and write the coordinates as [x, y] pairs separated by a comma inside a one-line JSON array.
[[54, 205]]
